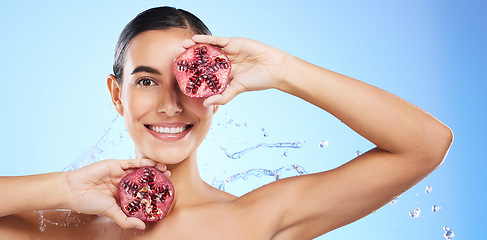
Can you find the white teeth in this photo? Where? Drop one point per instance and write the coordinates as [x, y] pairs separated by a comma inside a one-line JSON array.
[[168, 130]]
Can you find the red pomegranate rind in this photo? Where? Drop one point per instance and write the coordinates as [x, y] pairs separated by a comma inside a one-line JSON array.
[[202, 71], [146, 194]]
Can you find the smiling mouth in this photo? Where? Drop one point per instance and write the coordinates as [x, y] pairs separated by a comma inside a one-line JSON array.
[[169, 130]]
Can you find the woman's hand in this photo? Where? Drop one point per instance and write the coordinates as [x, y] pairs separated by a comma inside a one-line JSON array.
[[255, 66], [94, 189]]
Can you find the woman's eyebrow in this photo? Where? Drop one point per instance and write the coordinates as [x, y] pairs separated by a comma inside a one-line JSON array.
[[145, 69]]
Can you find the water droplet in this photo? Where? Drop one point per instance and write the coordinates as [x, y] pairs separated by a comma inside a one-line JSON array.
[[358, 153], [393, 201], [428, 189], [435, 208], [324, 144], [415, 213], [246, 124], [448, 233], [285, 153]]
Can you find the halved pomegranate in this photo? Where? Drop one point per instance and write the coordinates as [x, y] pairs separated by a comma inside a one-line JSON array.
[[146, 194], [202, 71]]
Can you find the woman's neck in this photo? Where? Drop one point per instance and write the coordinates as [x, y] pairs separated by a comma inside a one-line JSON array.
[[190, 189]]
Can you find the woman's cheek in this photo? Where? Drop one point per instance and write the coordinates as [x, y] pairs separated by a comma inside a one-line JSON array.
[[139, 103], [196, 105]]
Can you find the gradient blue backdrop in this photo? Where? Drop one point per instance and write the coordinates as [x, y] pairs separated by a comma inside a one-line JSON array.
[[55, 56]]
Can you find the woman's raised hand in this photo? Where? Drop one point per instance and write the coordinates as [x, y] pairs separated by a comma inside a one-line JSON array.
[[94, 189], [255, 66]]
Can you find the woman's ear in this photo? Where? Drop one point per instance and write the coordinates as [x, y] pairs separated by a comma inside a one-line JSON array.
[[116, 93]]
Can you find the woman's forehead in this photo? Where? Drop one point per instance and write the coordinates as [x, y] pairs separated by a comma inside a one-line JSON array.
[[155, 47]]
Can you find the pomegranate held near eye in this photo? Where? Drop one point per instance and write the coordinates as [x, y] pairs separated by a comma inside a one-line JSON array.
[[202, 70]]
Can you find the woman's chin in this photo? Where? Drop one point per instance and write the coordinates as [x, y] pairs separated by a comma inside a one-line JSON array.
[[168, 157], [169, 160]]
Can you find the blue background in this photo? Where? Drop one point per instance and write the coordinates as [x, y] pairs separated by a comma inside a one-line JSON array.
[[56, 110]]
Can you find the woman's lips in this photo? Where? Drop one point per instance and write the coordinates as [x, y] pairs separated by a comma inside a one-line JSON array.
[[168, 132]]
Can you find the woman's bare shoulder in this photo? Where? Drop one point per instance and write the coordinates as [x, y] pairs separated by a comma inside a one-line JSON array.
[[55, 224], [19, 226]]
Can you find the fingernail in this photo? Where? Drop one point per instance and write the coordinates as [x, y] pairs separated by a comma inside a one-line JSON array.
[[140, 228]]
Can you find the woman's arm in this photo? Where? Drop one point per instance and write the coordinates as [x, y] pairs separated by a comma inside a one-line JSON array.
[[410, 142], [35, 192], [89, 190], [410, 145], [391, 123]]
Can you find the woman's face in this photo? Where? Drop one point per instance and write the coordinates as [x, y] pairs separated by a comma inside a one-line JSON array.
[[165, 125]]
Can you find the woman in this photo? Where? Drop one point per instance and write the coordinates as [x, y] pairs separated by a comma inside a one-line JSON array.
[[410, 145]]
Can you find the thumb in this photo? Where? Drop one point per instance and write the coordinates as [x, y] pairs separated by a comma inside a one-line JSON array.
[[233, 89], [116, 214]]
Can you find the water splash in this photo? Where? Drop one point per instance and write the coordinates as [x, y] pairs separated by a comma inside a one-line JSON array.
[[239, 154], [93, 153], [448, 233], [42, 226], [428, 189], [415, 213], [70, 220], [258, 172], [110, 144]]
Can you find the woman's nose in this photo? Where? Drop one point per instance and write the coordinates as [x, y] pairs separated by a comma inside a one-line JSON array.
[[170, 104]]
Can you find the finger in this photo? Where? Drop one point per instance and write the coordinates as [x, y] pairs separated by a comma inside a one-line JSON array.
[[233, 89], [187, 43], [179, 51], [213, 40], [116, 214], [184, 45], [163, 168], [167, 173], [136, 163]]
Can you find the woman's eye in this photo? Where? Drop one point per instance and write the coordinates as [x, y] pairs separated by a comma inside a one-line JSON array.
[[146, 82]]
